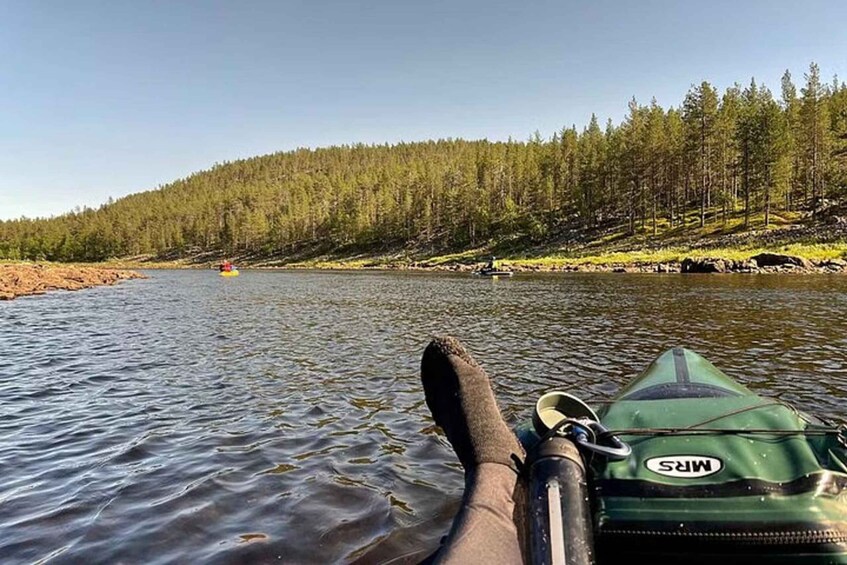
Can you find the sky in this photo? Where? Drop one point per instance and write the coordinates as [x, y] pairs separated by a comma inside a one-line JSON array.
[[104, 98]]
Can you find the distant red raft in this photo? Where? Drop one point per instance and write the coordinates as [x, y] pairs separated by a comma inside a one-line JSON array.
[[227, 269]]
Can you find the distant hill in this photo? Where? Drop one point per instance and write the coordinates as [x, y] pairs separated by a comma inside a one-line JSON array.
[[740, 156]]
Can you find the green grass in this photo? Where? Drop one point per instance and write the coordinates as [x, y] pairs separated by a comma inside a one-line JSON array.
[[813, 251], [336, 264], [467, 256]]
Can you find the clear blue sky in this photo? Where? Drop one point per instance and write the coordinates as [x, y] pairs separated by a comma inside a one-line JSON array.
[[105, 98]]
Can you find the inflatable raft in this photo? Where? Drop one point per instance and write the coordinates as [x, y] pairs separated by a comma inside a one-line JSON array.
[[233, 273], [492, 273], [685, 465]]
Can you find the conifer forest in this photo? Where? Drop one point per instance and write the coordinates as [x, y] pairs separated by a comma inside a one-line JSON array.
[[745, 154]]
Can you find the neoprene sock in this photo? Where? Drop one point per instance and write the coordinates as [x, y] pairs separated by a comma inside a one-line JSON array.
[[459, 396]]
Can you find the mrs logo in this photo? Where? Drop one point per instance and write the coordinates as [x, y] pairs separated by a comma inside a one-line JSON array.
[[684, 466]]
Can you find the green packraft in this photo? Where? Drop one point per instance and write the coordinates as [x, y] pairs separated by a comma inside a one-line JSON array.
[[717, 474]]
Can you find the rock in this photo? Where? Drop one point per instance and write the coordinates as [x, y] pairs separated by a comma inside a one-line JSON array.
[[740, 266], [707, 265], [667, 268], [777, 260], [833, 265], [24, 279], [745, 266]]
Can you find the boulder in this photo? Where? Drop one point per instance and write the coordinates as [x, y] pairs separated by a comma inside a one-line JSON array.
[[740, 266], [745, 266], [667, 268], [708, 265], [778, 260], [833, 265]]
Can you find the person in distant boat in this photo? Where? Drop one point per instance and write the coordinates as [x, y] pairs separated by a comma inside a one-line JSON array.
[[490, 266], [226, 267]]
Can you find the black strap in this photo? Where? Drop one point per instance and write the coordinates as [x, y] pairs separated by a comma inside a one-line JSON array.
[[681, 365]]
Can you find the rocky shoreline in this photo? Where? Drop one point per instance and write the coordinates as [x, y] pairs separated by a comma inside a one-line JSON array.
[[24, 280], [761, 263]]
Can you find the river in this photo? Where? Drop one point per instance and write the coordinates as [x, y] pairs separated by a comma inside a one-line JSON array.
[[279, 415]]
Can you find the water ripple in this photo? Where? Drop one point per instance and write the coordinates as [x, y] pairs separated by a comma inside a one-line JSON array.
[[279, 416]]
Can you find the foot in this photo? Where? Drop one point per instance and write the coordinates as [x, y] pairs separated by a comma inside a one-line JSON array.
[[459, 396]]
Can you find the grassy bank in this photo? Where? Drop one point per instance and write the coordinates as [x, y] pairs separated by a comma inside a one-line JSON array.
[[613, 248], [813, 252]]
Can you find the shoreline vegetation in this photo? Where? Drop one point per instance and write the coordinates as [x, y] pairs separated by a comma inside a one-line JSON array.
[[792, 244], [807, 246], [790, 249], [762, 262], [22, 279]]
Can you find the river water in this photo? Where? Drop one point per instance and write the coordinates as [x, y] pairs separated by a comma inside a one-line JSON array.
[[279, 415]]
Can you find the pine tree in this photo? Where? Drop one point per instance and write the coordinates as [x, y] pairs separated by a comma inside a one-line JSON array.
[[747, 135], [838, 128], [791, 107], [591, 171], [772, 144], [728, 149], [814, 120], [700, 111]]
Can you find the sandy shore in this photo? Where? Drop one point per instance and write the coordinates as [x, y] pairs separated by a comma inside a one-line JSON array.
[[23, 279]]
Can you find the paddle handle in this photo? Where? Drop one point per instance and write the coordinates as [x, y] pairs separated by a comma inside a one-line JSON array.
[[559, 513]]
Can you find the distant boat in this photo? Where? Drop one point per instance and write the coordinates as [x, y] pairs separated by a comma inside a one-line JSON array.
[[492, 273], [232, 273]]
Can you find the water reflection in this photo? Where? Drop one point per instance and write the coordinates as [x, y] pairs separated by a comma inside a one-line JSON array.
[[280, 416]]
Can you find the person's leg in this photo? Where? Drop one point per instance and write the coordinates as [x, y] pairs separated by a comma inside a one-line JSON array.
[[489, 527]]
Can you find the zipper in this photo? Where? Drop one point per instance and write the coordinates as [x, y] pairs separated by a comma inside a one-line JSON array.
[[787, 537]]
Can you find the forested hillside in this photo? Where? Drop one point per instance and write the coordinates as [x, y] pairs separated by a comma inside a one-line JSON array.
[[741, 153]]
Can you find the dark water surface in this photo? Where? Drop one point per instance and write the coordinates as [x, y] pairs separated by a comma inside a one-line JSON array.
[[279, 416]]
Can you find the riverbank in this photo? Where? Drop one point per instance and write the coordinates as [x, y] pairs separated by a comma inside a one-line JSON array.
[[760, 262], [808, 247], [798, 259], [794, 259], [21, 279]]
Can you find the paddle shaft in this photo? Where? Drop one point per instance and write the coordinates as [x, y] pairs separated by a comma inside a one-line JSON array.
[[560, 518]]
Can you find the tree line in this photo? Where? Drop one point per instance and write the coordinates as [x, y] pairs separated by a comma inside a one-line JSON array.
[[742, 153]]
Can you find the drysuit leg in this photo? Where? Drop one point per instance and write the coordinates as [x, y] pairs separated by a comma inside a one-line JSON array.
[[489, 527]]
